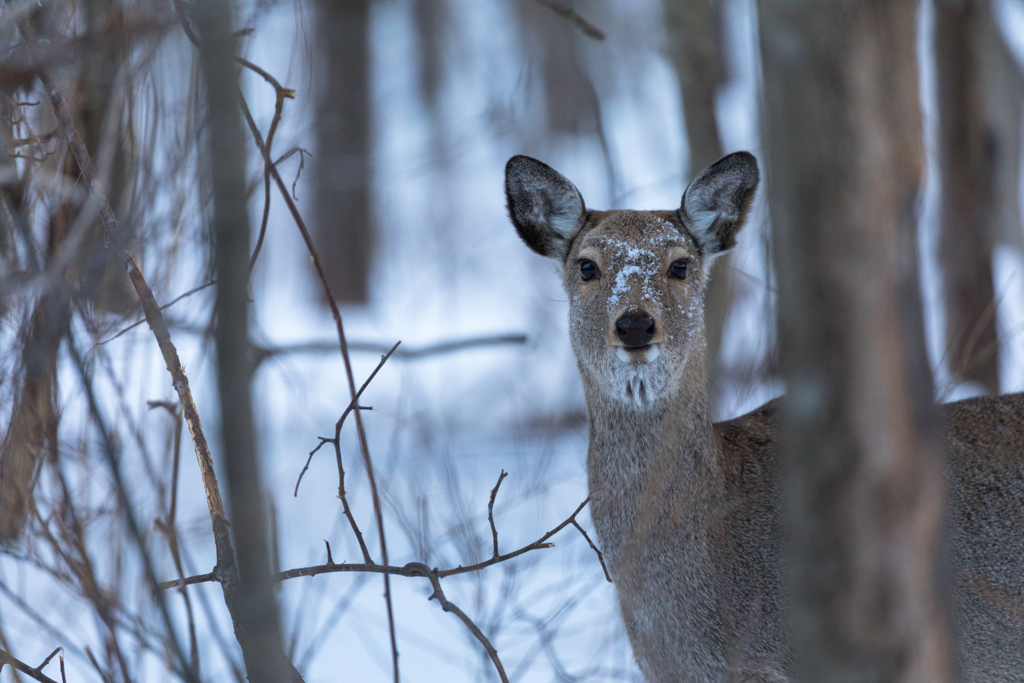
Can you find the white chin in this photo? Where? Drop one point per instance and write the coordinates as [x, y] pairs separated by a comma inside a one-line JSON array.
[[648, 355], [635, 381]]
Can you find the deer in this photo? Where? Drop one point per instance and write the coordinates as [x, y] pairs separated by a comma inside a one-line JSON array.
[[688, 512]]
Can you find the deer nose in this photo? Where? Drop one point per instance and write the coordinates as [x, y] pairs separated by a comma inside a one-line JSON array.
[[635, 329]]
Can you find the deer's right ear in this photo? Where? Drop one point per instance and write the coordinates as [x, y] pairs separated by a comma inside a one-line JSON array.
[[545, 207]]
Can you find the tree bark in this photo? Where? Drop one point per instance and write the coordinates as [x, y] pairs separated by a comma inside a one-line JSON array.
[[978, 108], [863, 467], [694, 31], [344, 226], [251, 601]]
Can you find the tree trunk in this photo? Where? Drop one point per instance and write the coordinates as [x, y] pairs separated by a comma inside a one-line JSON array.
[[968, 155], [694, 33], [1003, 96], [863, 466], [344, 226], [249, 595]]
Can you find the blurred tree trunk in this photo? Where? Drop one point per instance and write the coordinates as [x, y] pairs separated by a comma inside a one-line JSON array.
[[979, 103], [694, 32], [570, 99], [862, 461], [433, 26], [94, 267], [694, 29], [344, 227], [571, 105], [250, 595]]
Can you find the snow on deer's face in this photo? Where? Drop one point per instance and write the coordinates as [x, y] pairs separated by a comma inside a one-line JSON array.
[[636, 314], [635, 278]]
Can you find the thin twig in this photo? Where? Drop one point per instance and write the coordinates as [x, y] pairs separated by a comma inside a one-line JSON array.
[[323, 440], [355, 400], [404, 353], [569, 13], [353, 405], [448, 606], [539, 543], [48, 658], [600, 556], [167, 305], [490, 510], [407, 570], [34, 673], [279, 95]]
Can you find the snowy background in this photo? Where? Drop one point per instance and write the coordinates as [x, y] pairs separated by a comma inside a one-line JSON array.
[[447, 265]]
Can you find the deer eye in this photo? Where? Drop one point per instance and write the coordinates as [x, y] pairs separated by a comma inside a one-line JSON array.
[[588, 269], [678, 269]]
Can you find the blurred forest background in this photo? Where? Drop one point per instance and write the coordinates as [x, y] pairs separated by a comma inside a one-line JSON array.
[[387, 124]]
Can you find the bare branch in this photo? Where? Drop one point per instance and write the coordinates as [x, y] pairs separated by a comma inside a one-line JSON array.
[[165, 306], [406, 570], [353, 405], [569, 13], [448, 606], [600, 556], [48, 658], [536, 545], [405, 353], [490, 510], [323, 440], [34, 673]]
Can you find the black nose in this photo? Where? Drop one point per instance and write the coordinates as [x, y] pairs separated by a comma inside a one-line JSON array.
[[635, 328]]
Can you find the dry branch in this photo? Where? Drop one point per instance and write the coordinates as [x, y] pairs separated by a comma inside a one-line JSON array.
[[600, 555], [419, 569], [405, 353], [155, 318], [164, 307], [353, 405], [448, 606], [572, 15], [406, 570], [490, 510], [34, 673]]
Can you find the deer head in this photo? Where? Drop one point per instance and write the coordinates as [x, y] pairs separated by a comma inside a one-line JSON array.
[[635, 279]]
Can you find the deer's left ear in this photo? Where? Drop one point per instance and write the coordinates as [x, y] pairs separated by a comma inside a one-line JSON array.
[[716, 204]]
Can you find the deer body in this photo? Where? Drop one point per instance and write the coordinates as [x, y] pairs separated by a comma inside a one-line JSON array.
[[688, 512]]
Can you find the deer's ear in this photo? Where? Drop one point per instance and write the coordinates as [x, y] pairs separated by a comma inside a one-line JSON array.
[[717, 202], [545, 207]]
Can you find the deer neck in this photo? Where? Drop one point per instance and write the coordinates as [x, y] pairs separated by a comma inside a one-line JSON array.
[[648, 469]]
